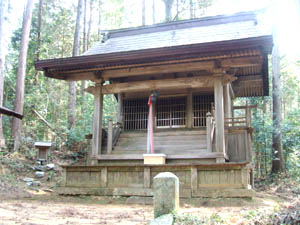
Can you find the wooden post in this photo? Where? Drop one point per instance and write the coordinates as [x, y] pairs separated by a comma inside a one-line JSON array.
[[248, 116], [147, 177], [120, 108], [208, 132], [109, 136], [104, 177], [64, 177], [227, 101], [219, 115], [194, 179], [97, 121], [189, 110]]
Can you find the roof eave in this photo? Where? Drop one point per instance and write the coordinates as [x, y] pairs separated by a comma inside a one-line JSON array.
[[102, 60]]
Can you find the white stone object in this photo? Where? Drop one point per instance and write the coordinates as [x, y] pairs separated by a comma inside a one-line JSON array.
[[166, 193]]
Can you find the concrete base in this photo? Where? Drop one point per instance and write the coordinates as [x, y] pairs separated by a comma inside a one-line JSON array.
[[154, 159]]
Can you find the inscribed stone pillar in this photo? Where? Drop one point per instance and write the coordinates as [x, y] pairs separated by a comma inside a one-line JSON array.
[[166, 193]]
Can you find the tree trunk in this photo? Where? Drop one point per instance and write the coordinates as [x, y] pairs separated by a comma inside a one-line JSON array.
[[99, 20], [36, 77], [278, 164], [143, 13], [83, 84], [90, 24], [19, 100], [3, 8], [191, 9], [72, 84], [168, 10], [153, 11]]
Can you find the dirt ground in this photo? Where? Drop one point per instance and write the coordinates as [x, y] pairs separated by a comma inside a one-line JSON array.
[[45, 208]]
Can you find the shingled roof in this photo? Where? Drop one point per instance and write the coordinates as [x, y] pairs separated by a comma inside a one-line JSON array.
[[198, 31]]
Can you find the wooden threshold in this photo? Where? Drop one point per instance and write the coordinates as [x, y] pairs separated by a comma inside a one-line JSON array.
[[208, 155]]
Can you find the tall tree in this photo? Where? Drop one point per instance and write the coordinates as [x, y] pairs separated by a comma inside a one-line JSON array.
[[19, 100], [278, 163], [72, 84], [153, 11], [143, 12], [3, 9], [90, 24], [83, 84], [168, 9], [39, 38], [191, 9]]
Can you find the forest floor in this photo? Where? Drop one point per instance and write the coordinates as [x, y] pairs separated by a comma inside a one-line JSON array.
[[276, 201]]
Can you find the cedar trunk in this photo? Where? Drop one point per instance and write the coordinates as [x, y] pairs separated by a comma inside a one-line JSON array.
[[39, 38], [83, 83], [72, 84], [143, 12], [168, 9], [19, 100], [278, 164], [3, 7], [153, 11]]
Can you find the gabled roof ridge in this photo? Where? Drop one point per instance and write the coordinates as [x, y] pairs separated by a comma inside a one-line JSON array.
[[182, 24]]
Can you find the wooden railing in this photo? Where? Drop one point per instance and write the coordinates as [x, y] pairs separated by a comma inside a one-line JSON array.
[[210, 130], [113, 133], [236, 121], [241, 121]]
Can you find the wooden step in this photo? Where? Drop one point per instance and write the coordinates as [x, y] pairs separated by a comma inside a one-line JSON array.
[[167, 152], [144, 138], [163, 133], [160, 142]]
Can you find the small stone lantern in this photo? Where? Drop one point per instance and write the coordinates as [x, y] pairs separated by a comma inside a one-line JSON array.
[[43, 148]]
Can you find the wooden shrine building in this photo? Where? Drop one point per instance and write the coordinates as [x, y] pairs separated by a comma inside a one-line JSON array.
[[198, 67]]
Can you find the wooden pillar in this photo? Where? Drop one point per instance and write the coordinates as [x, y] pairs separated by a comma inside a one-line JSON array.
[[227, 101], [219, 114], [189, 110], [120, 108], [97, 121], [109, 136]]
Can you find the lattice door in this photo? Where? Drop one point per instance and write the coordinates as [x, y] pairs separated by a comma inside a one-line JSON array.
[[171, 112], [201, 105], [135, 114]]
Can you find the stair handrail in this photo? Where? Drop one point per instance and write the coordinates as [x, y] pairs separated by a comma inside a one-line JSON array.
[[113, 134]]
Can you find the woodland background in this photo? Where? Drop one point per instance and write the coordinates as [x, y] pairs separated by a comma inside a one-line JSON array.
[[58, 27]]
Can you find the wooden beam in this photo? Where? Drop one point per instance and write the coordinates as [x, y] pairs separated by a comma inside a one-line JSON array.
[[9, 112], [150, 85], [241, 62], [159, 69]]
